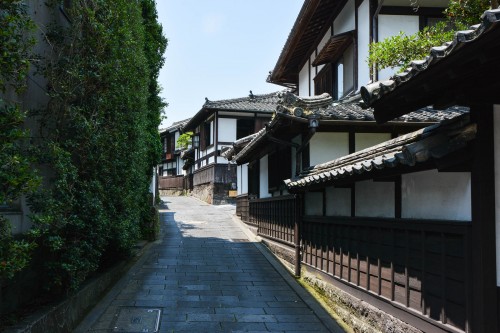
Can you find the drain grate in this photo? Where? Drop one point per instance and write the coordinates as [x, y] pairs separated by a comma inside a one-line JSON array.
[[137, 320], [240, 240]]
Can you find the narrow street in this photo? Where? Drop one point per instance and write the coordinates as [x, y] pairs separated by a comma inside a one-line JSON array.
[[206, 275]]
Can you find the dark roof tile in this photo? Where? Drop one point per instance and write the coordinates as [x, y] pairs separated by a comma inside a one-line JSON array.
[[435, 141]]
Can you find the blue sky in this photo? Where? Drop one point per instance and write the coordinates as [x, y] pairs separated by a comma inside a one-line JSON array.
[[220, 49]]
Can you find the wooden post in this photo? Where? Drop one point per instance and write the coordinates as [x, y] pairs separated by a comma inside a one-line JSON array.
[[297, 235], [484, 292]]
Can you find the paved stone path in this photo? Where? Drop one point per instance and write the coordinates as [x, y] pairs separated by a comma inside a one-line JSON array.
[[206, 276]]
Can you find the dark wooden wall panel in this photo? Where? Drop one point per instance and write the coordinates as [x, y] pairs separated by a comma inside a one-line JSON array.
[[420, 265]]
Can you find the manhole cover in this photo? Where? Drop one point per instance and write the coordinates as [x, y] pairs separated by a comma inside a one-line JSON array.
[[137, 320]]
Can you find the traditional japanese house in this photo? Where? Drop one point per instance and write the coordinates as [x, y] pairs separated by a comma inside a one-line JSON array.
[[216, 126], [327, 48], [464, 71], [170, 170]]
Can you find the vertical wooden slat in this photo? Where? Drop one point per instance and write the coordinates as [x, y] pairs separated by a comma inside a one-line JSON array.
[[443, 279], [393, 250], [407, 277]]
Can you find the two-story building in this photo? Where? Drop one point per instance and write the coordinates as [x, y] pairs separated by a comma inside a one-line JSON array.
[[215, 127], [171, 169]]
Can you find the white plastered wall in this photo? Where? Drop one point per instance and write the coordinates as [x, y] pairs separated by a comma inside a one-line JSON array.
[[296, 140], [375, 199], [496, 138], [338, 201], [363, 42], [391, 25], [436, 195], [264, 183], [345, 21], [313, 202], [242, 176], [325, 147], [348, 71], [226, 130], [321, 44], [304, 80], [366, 140]]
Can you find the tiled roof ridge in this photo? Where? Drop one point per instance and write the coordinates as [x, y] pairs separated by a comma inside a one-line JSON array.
[[299, 105], [175, 125], [251, 97], [374, 91], [256, 137], [431, 142]]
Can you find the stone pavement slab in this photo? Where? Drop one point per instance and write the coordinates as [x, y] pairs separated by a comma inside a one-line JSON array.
[[206, 275]]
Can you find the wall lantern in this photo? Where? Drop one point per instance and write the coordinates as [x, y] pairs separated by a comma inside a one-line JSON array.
[[196, 140], [313, 121]]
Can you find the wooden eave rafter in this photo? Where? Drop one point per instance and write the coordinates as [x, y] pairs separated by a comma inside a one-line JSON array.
[[311, 25], [334, 48]]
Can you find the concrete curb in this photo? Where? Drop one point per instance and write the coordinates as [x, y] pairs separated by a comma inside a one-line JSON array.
[[287, 275]]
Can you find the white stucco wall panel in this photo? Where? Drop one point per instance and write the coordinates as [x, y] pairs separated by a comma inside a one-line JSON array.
[[321, 44], [313, 202], [242, 177], [338, 201], [264, 182], [326, 146], [348, 71], [436, 195], [304, 80], [226, 130], [375, 199], [366, 140], [345, 21], [314, 71], [391, 25], [363, 42], [296, 140]]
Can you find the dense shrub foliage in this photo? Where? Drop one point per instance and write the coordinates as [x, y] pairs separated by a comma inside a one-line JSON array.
[[401, 49], [16, 174], [99, 136]]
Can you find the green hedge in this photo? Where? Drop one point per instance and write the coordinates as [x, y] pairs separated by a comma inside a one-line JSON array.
[[99, 137]]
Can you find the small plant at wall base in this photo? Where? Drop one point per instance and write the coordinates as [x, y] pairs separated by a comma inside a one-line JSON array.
[[400, 50]]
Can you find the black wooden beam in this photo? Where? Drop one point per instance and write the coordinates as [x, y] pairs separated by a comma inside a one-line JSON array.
[[484, 289]]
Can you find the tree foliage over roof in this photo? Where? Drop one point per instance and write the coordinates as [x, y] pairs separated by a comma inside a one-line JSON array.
[[401, 49]]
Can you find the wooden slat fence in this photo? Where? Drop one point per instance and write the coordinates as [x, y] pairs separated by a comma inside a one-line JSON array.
[[420, 265], [171, 182], [275, 218], [242, 207]]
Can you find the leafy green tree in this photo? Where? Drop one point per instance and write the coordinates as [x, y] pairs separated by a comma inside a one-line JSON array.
[[184, 140], [400, 50]]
